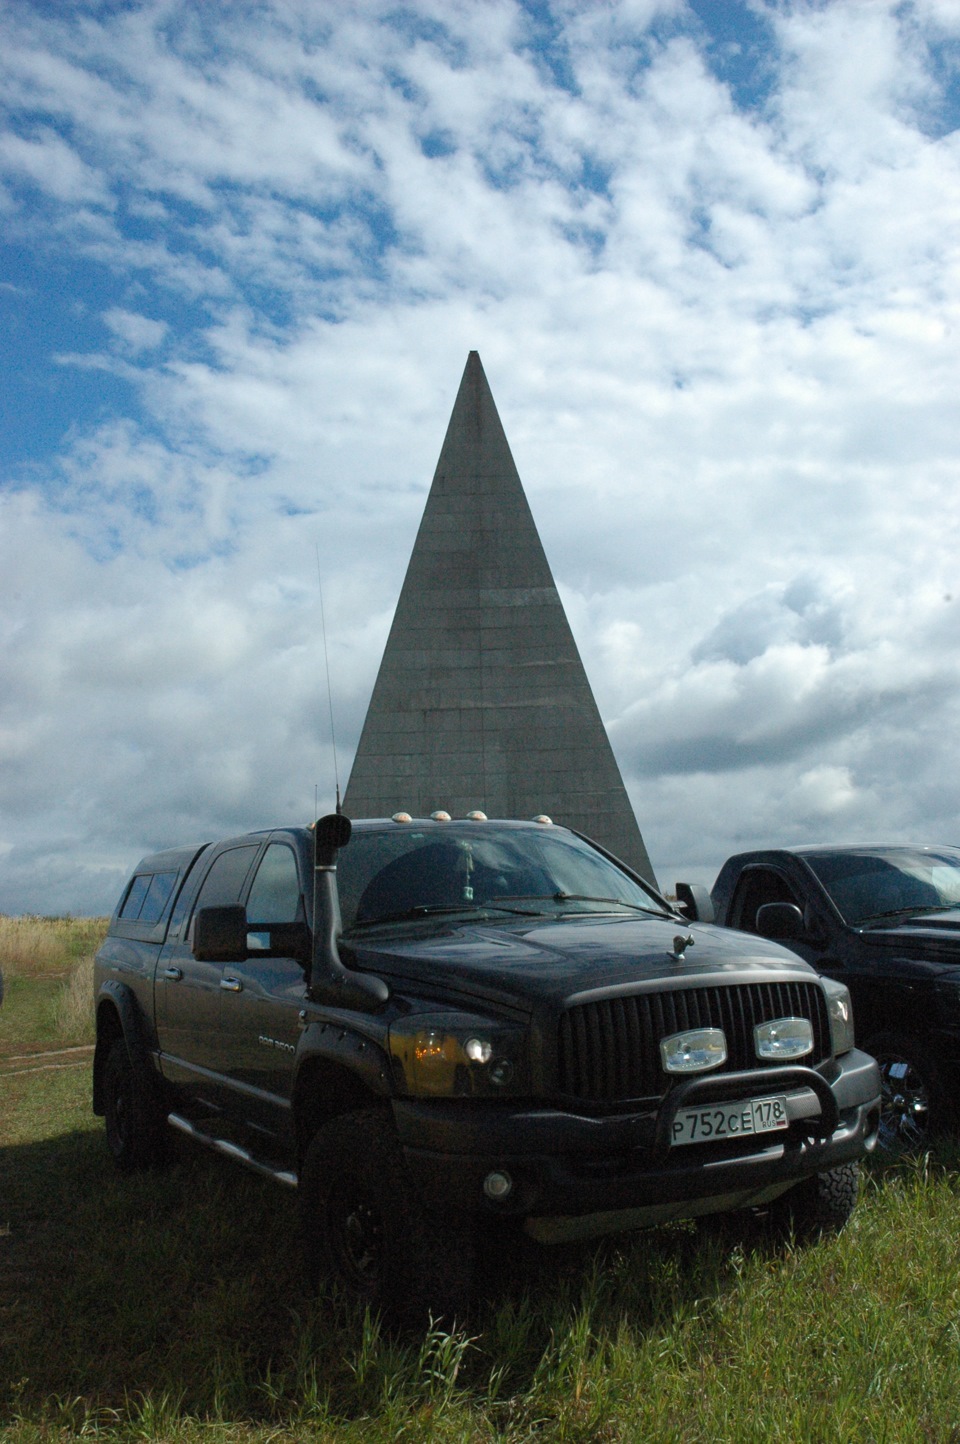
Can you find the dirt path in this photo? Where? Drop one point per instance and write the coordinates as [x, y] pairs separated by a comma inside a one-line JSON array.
[[14, 1064]]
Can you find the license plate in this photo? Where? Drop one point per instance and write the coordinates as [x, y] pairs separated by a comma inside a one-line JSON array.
[[729, 1120]]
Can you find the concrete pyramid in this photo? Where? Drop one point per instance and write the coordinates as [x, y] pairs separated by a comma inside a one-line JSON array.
[[482, 700]]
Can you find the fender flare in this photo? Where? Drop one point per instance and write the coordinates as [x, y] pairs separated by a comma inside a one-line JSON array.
[[356, 1053], [120, 999], [338, 1071]]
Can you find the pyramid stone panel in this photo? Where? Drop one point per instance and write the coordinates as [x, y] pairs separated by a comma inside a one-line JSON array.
[[482, 700]]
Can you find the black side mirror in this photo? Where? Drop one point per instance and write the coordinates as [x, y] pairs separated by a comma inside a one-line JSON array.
[[780, 921], [280, 940], [695, 902], [220, 934]]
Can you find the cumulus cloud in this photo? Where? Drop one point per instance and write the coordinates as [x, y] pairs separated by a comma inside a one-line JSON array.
[[135, 332], [718, 314]]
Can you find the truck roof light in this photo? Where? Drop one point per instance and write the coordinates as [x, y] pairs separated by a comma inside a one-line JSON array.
[[498, 1185]]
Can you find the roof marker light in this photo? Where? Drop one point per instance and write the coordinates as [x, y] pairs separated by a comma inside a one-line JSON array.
[[440, 816], [476, 816], [401, 817], [498, 1185], [543, 819]]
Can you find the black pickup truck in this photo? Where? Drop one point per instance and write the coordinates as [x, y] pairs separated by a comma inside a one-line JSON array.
[[450, 1021], [884, 920]]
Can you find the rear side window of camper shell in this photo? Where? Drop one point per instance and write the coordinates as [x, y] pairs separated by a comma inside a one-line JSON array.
[[148, 897]]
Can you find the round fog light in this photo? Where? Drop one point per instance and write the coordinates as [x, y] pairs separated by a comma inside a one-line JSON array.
[[498, 1186]]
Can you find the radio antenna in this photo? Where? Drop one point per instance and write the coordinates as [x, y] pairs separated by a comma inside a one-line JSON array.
[[326, 660]]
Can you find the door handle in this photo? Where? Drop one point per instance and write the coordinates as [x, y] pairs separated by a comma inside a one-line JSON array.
[[175, 974], [231, 985]]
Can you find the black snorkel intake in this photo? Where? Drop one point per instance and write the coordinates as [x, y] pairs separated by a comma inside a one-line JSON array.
[[330, 981]]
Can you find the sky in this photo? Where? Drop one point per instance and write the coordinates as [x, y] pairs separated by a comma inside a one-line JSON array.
[[708, 252]]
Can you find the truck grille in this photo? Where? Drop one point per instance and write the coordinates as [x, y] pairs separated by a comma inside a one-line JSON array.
[[611, 1048]]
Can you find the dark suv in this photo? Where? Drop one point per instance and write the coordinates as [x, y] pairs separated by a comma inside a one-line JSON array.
[[469, 1020]]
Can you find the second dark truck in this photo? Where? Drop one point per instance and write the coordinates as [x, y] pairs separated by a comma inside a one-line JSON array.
[[429, 1024], [885, 921]]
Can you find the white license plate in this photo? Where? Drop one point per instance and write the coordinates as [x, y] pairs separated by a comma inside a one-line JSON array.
[[729, 1120]]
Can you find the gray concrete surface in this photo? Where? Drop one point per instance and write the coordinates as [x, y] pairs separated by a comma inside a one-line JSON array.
[[482, 700]]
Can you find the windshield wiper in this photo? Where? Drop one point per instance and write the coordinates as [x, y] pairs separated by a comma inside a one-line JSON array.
[[424, 910], [908, 912], [561, 897], [617, 901]]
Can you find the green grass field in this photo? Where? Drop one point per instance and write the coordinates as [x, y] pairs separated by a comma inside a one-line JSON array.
[[171, 1306]]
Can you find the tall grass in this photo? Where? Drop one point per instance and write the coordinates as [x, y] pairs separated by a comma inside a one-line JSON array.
[[47, 966], [33, 947], [73, 1008], [30, 946]]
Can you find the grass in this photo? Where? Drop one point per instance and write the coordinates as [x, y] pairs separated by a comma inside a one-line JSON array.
[[39, 947], [170, 1306], [47, 966]]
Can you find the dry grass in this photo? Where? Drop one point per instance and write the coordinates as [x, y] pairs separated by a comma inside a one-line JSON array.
[[73, 1011], [47, 966], [32, 947]]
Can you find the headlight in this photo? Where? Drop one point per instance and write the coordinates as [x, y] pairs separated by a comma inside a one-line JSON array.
[[840, 1012], [447, 1055]]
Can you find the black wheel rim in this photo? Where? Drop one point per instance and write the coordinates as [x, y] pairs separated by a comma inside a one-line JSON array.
[[904, 1103], [356, 1233]]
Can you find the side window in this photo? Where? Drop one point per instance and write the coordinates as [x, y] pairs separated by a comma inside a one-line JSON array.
[[136, 893], [275, 895], [224, 882], [758, 885], [147, 897], [180, 908], [158, 896]]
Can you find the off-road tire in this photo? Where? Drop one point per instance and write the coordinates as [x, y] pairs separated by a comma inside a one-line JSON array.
[[135, 1124], [817, 1207], [366, 1231], [914, 1106]]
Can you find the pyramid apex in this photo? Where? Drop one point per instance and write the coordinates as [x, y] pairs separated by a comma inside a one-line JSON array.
[[475, 457], [474, 366], [481, 700]]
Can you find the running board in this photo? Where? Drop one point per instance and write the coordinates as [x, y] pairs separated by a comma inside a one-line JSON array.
[[230, 1150]]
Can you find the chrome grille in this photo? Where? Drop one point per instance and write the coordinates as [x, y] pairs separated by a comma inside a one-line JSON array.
[[610, 1049]]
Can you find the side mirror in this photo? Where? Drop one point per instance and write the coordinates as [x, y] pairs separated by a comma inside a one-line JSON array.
[[280, 940], [220, 934], [695, 902], [780, 921]]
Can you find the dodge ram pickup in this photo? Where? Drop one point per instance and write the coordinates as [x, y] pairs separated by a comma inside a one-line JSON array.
[[420, 1023], [884, 920]]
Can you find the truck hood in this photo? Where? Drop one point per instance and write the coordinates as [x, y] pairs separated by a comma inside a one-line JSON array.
[[933, 937], [535, 961]]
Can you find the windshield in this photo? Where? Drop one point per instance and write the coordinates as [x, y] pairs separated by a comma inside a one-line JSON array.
[[406, 870], [887, 882]]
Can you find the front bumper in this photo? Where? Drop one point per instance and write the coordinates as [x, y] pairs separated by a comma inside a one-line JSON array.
[[577, 1174]]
